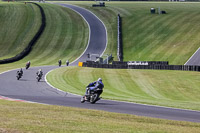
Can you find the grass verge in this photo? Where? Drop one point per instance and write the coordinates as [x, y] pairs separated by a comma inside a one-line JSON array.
[[61, 39], [172, 37], [166, 88], [19, 23], [25, 117]]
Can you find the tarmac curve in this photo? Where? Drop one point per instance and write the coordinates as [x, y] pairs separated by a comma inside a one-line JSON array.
[[28, 89]]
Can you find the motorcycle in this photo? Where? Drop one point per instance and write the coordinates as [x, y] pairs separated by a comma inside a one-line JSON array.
[[19, 75], [27, 66], [93, 96], [39, 77], [59, 64]]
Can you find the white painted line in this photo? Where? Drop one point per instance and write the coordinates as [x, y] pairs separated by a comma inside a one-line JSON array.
[[55, 87], [153, 105]]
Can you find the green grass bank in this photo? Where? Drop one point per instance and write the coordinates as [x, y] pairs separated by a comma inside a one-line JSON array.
[[17, 117], [61, 39], [172, 37], [26, 117], [19, 23], [165, 88]]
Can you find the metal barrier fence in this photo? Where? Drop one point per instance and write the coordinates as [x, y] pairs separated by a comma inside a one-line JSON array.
[[154, 65], [119, 39]]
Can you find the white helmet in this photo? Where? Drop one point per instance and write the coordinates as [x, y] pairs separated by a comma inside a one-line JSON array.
[[100, 79]]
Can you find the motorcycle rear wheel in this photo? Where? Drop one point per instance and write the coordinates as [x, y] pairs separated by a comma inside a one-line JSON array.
[[94, 98]]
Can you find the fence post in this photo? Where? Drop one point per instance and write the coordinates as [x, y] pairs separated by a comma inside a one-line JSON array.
[[119, 40]]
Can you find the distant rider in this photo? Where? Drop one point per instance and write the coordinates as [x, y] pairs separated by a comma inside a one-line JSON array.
[[20, 72], [28, 64], [59, 62], [39, 73], [67, 63], [94, 85]]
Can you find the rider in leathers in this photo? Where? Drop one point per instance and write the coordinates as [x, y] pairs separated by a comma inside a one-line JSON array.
[[39, 73], [94, 85], [20, 72]]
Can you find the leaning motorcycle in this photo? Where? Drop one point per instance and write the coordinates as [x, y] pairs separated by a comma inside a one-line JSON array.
[[19, 76], [93, 97], [27, 66]]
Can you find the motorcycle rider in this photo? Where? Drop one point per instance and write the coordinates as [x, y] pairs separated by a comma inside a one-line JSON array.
[[94, 85], [59, 62], [20, 73], [67, 63], [28, 64], [39, 73]]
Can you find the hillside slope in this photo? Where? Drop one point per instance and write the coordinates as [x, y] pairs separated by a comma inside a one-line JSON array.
[[61, 39], [172, 37], [19, 23]]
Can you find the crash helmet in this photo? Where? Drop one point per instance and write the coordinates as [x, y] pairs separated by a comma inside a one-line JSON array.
[[100, 79]]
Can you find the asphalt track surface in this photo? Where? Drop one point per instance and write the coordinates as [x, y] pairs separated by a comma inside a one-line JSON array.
[[29, 89], [194, 59]]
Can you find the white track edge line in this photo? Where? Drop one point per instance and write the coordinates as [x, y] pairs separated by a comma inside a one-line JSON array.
[[55, 87], [154, 105]]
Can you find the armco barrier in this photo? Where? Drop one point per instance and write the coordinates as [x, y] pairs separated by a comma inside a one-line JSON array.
[[28, 49], [119, 39], [154, 66]]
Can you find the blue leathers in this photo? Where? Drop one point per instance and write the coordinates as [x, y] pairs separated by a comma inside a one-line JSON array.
[[94, 85]]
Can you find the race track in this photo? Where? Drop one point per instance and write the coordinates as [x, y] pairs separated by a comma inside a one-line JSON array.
[[29, 89]]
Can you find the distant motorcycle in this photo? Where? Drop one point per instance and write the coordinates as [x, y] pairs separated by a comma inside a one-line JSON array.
[[93, 97], [59, 63], [39, 77], [27, 65], [19, 75]]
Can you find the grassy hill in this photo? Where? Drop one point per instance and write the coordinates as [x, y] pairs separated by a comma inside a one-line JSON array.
[[17, 117], [172, 37], [19, 23], [61, 39], [154, 33], [58, 42]]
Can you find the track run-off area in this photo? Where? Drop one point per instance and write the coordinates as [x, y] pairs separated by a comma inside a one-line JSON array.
[[41, 92]]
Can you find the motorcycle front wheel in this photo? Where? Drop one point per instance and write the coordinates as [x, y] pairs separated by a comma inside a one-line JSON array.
[[38, 79], [82, 99]]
